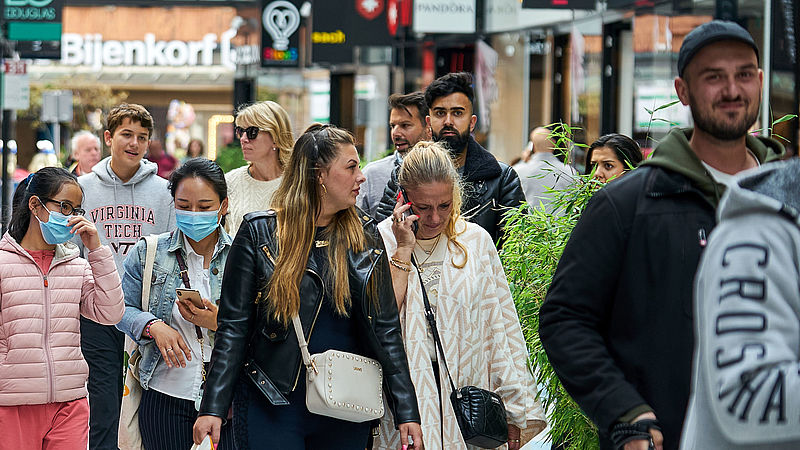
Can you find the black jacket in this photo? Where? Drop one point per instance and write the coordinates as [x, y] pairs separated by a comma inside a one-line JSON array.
[[490, 187], [617, 320], [250, 343]]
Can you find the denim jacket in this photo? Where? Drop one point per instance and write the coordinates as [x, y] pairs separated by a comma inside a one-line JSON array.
[[166, 278]]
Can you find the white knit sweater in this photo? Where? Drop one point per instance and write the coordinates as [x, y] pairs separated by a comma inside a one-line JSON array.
[[245, 195]]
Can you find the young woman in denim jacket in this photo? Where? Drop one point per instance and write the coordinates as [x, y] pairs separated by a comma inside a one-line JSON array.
[[171, 370]]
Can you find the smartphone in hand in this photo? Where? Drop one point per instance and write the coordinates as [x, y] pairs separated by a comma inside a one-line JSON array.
[[409, 211], [193, 295]]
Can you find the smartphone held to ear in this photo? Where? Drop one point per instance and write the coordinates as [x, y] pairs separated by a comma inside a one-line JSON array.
[[409, 211], [193, 295]]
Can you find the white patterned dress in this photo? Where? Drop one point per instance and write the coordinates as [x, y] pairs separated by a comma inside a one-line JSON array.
[[482, 341]]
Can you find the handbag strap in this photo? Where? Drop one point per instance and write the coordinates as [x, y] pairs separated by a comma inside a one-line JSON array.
[[301, 341], [198, 332], [185, 278], [431, 318], [150, 245]]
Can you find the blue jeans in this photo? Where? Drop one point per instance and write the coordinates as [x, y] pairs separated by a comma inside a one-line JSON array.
[[291, 427]]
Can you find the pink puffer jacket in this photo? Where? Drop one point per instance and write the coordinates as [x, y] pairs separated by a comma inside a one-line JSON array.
[[40, 340]]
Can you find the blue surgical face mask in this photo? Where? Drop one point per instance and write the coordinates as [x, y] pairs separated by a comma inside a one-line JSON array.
[[55, 230], [196, 225]]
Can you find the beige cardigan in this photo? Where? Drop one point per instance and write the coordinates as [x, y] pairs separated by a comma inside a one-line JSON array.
[[482, 340]]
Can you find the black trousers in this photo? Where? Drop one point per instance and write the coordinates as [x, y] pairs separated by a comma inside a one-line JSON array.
[[166, 422], [102, 347]]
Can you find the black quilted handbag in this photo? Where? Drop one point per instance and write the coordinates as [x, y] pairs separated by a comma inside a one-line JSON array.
[[481, 416], [480, 413]]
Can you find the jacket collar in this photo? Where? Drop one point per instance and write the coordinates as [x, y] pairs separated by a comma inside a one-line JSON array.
[[367, 221], [176, 241], [675, 154], [479, 163], [64, 252]]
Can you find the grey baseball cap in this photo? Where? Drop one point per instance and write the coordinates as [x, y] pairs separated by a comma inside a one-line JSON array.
[[708, 33]]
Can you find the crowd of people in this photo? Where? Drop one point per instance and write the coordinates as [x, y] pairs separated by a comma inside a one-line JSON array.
[[300, 252]]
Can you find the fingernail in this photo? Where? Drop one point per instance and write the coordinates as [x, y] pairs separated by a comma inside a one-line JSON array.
[[405, 447], [408, 203], [398, 195]]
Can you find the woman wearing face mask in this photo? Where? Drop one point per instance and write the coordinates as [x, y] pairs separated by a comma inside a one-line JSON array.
[[45, 286], [174, 335]]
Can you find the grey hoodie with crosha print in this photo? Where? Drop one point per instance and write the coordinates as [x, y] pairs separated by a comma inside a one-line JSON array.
[[746, 385], [124, 212]]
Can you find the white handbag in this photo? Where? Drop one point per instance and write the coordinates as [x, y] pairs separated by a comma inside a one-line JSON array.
[[341, 385]]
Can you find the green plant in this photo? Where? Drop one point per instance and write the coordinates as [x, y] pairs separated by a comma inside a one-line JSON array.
[[535, 240], [230, 157]]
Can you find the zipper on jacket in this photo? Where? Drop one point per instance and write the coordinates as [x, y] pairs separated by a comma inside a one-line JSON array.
[[314, 322], [48, 351], [366, 283], [701, 237]]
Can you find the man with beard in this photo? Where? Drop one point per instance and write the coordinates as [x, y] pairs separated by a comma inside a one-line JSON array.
[[617, 320], [407, 124], [490, 185]]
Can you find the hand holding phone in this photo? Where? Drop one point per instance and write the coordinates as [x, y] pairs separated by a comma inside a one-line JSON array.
[[409, 211], [193, 295]]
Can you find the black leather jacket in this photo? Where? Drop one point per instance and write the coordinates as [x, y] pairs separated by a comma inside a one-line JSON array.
[[250, 343], [490, 186]]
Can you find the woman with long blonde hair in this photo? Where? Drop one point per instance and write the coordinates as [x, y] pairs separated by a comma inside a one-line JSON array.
[[455, 262], [265, 134], [314, 257]]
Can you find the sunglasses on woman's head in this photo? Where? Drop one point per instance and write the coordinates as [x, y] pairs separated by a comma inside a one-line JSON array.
[[251, 132]]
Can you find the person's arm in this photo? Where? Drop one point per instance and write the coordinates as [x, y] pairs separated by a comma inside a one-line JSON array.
[[576, 311], [134, 319], [101, 294], [234, 321], [511, 193], [748, 330], [387, 203], [400, 258]]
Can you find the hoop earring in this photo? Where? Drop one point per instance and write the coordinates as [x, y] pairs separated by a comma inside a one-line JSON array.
[[324, 190]]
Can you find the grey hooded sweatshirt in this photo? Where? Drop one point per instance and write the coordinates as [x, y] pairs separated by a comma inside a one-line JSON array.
[[124, 212], [746, 384]]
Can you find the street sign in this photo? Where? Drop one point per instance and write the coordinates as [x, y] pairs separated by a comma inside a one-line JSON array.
[[56, 106], [16, 89]]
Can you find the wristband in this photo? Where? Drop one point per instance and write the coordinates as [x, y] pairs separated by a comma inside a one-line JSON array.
[[146, 332], [400, 264], [622, 433]]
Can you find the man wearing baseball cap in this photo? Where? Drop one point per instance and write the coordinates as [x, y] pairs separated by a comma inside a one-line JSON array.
[[621, 339]]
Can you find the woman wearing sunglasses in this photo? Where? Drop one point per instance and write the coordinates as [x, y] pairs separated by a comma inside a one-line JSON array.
[[265, 133]]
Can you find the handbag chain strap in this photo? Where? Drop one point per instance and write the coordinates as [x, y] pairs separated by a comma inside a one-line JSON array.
[[301, 341], [185, 278], [431, 318]]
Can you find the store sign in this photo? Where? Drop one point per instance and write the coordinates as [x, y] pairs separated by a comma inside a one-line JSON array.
[[338, 28], [92, 50], [560, 4], [444, 16], [32, 20], [279, 36]]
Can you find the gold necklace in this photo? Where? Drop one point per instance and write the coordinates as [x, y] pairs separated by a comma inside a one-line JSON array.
[[428, 252]]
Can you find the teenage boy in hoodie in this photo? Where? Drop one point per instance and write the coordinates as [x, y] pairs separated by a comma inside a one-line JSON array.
[[746, 383], [126, 200], [617, 321]]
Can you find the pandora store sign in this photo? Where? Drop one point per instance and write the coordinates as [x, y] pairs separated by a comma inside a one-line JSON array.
[[92, 50]]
